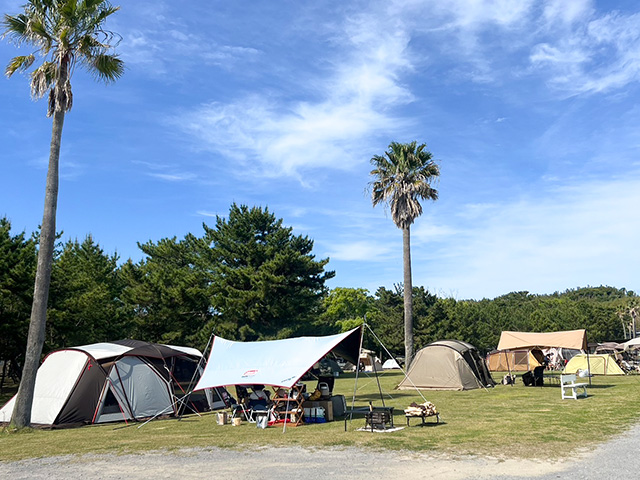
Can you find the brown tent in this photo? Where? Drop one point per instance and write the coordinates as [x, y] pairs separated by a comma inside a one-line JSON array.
[[514, 360], [576, 339]]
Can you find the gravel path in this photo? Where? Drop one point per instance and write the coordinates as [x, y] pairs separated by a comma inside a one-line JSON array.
[[614, 459]]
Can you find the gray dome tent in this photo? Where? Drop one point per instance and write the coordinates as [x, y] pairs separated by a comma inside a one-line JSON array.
[[116, 381], [447, 365]]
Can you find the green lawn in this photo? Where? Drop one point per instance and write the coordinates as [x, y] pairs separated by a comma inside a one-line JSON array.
[[506, 421]]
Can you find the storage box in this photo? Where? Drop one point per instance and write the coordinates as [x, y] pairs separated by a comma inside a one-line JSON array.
[[222, 418], [326, 404]]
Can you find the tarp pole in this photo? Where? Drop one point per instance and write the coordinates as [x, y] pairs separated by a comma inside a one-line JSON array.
[[506, 358], [586, 338], [355, 386], [375, 370], [406, 376], [197, 371]]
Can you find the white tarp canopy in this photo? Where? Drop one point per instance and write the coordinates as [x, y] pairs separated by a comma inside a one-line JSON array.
[[280, 363], [630, 344]]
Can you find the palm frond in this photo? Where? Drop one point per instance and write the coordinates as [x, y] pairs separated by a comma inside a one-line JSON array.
[[65, 33], [15, 27], [107, 67], [20, 63], [42, 78], [402, 178]]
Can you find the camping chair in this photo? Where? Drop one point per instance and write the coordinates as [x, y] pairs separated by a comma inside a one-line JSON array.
[[538, 376], [242, 408], [247, 406]]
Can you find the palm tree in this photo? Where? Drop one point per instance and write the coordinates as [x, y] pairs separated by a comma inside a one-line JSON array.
[[403, 177], [64, 33]]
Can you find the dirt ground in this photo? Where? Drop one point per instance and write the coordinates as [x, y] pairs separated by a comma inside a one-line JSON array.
[[614, 459], [269, 463]]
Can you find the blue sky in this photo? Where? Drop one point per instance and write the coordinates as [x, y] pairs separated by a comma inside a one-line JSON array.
[[530, 107]]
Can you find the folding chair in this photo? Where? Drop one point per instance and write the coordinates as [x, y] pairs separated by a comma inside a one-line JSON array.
[[242, 408]]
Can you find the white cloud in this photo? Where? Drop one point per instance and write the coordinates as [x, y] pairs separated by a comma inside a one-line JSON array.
[[351, 106], [368, 251], [575, 236], [599, 57], [205, 213], [566, 12], [473, 14], [174, 177]]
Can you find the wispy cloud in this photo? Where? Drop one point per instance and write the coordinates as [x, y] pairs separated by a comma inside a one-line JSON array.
[[205, 213], [577, 235], [340, 114], [594, 56], [167, 47], [174, 177]]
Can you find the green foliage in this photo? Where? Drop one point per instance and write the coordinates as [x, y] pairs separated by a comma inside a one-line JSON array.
[[387, 318], [166, 295], [265, 281], [344, 309], [601, 311], [84, 299], [17, 272]]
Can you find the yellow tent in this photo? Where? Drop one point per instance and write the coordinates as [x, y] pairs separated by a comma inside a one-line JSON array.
[[598, 364]]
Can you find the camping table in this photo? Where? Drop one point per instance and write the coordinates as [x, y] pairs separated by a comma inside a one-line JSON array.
[[424, 416], [369, 414]]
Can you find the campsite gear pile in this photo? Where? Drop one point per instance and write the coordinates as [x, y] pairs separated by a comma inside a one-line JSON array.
[[426, 409]]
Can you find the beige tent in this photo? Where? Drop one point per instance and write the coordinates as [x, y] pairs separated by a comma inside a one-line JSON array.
[[447, 365], [598, 364], [369, 362], [576, 339], [514, 360]]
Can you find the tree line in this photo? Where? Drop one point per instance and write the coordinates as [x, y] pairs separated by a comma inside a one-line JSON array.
[[248, 277]]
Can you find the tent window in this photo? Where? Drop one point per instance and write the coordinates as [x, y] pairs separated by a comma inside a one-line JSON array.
[[521, 357], [110, 404]]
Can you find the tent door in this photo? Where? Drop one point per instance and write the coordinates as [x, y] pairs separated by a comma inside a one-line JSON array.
[[110, 408]]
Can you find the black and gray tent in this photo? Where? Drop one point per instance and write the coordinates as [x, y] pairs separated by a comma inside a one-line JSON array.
[[116, 381], [447, 365]]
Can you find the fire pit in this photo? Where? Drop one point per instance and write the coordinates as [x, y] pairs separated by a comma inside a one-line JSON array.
[[379, 418]]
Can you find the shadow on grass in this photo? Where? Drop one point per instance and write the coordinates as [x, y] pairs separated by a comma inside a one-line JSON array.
[[427, 424]]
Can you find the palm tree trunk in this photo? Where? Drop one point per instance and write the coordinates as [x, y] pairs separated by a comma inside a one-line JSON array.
[[21, 416], [408, 298]]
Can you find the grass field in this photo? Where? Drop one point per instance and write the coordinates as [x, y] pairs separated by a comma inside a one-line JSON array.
[[505, 421]]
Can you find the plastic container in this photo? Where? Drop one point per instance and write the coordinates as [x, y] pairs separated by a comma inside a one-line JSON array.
[[262, 419], [324, 390]]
